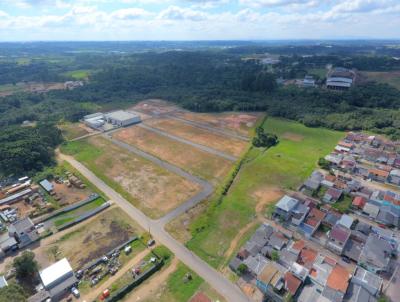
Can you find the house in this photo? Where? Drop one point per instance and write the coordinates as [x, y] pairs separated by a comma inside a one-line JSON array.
[[378, 175], [292, 283], [320, 270], [394, 177], [58, 278], [332, 195], [308, 81], [376, 254], [299, 271], [353, 248], [299, 213], [346, 221], [334, 158], [262, 235], [312, 222], [359, 202], [372, 283], [277, 241], [7, 243], [285, 206], [314, 181], [287, 258], [3, 282], [337, 284], [389, 215], [296, 246], [331, 218], [256, 264], [24, 232], [371, 210], [48, 186], [338, 237], [271, 278], [307, 257]]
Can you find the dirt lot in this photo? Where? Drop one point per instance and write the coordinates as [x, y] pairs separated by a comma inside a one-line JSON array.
[[241, 123], [155, 107], [74, 130], [182, 155], [108, 230], [70, 195], [157, 190], [219, 142]]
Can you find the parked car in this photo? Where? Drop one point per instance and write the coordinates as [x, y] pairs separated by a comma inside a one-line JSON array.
[[75, 292], [151, 242]]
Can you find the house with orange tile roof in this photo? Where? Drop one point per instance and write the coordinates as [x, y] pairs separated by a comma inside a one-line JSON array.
[[307, 257], [337, 284], [292, 283], [200, 297], [378, 175]]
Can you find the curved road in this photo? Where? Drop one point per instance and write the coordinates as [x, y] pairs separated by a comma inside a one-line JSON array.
[[227, 289], [185, 141]]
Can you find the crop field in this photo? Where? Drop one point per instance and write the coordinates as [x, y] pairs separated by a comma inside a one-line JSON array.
[[188, 158], [73, 130], [222, 143], [241, 123], [151, 188], [259, 183], [80, 74], [106, 231], [388, 77]]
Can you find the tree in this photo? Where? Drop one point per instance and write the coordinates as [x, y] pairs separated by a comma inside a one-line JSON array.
[[274, 256], [323, 163], [242, 269], [264, 139], [12, 293], [25, 265]]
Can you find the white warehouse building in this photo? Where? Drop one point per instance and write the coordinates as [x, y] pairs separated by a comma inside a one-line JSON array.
[[122, 118]]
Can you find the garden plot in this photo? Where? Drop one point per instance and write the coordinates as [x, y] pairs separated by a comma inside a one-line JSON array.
[[198, 135]]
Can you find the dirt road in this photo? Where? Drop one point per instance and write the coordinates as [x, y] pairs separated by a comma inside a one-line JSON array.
[[224, 287]]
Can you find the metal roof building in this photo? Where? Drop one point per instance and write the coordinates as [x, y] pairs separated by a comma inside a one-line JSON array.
[[122, 118], [56, 273], [48, 186]]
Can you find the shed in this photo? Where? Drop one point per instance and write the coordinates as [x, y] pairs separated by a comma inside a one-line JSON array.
[[48, 186], [56, 273]]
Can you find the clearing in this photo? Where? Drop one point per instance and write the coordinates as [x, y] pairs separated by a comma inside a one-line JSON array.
[[149, 187], [188, 158], [108, 230], [388, 77], [79, 74], [74, 130], [262, 176], [155, 107], [9, 89], [200, 136], [241, 123]]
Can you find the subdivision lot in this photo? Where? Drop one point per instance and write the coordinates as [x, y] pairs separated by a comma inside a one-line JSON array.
[[259, 181], [108, 230], [200, 136], [74, 130], [239, 122], [155, 107], [151, 188], [191, 159]]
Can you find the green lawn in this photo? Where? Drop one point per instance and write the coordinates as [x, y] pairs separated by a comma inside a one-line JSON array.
[[79, 74], [321, 72], [284, 166]]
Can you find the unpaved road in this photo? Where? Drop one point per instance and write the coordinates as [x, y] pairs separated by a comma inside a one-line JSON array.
[[224, 287]]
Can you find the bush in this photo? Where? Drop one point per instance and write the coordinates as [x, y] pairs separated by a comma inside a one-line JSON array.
[[242, 269], [264, 139], [323, 163]]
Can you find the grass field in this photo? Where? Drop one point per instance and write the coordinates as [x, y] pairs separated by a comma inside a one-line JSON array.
[[108, 230], [261, 177], [80, 74], [72, 130], [149, 187], [188, 158], [207, 138], [321, 72], [388, 77]]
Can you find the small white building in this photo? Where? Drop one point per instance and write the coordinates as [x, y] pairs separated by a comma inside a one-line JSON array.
[[122, 118], [58, 278]]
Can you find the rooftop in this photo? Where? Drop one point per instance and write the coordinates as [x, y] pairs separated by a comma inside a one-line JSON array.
[[55, 272], [121, 115], [200, 297], [287, 203], [339, 233], [339, 279], [292, 283]]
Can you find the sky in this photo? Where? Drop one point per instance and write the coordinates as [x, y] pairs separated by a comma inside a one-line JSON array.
[[44, 20]]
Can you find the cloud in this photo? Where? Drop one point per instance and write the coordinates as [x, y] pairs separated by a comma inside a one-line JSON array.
[[177, 13], [130, 14], [278, 3]]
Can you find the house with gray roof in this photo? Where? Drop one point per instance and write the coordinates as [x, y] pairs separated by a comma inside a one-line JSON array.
[[256, 264], [389, 214], [285, 206], [369, 281], [376, 254], [332, 195]]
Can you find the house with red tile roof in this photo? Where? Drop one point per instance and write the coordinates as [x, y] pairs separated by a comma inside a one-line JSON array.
[[307, 257], [292, 283], [338, 237], [200, 297], [337, 284], [359, 202]]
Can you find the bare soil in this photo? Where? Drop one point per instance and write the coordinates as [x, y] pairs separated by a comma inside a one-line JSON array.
[[155, 107], [31, 87], [182, 155], [213, 140], [293, 136], [70, 195], [156, 189]]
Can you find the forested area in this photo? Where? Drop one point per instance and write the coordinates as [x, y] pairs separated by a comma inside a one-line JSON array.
[[199, 80]]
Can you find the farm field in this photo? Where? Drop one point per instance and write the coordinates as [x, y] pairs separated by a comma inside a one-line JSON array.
[[207, 138], [188, 158], [241, 123], [9, 89], [260, 183], [108, 230], [149, 187], [80, 74], [388, 77], [73, 130]]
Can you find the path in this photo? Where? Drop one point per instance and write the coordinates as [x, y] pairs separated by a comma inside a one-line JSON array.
[[190, 143], [151, 286], [191, 202], [95, 293], [224, 287]]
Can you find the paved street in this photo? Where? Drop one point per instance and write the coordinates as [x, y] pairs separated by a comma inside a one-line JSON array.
[[224, 287]]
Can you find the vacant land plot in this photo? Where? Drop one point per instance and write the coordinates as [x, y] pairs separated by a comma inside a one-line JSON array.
[[388, 77], [74, 130], [69, 195], [207, 138], [80, 74], [260, 179], [188, 158], [9, 89], [149, 187], [107, 231], [242, 123], [155, 107]]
